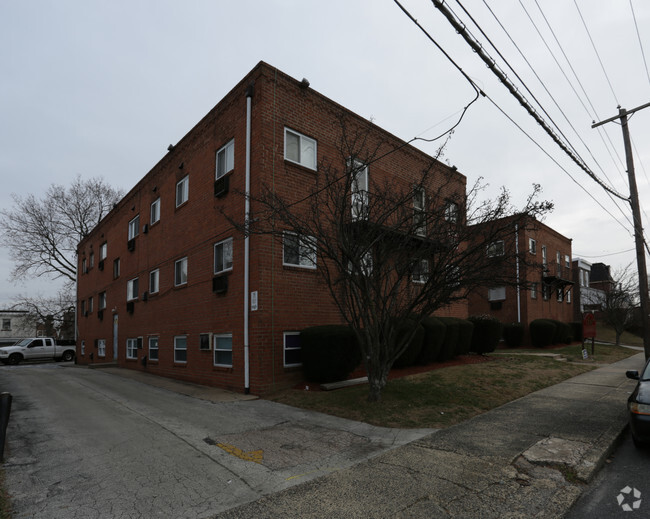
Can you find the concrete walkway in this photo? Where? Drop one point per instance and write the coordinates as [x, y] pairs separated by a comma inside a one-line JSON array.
[[528, 458]]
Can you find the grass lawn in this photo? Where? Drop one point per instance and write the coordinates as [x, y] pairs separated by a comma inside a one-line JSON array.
[[449, 395], [605, 333]]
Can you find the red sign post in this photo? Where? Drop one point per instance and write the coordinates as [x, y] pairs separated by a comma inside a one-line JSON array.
[[588, 330]]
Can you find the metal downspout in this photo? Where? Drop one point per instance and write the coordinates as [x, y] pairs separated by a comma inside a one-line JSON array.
[[517, 259], [247, 210]]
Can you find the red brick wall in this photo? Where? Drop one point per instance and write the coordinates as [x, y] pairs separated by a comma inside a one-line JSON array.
[[289, 298]]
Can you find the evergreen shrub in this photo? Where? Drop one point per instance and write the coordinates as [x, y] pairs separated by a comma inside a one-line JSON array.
[[487, 333], [329, 353], [513, 335]]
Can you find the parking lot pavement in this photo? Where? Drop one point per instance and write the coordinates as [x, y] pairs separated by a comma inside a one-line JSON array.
[[87, 443]]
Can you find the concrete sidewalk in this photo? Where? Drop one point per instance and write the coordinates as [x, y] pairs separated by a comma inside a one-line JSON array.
[[528, 458]]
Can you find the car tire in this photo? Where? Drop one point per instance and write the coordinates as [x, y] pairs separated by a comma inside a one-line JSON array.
[[638, 443], [67, 356], [14, 359]]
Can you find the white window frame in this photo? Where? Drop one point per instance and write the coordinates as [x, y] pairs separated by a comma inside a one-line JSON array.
[[533, 291], [560, 295], [116, 268], [419, 211], [228, 154], [177, 349], [497, 294], [451, 212], [103, 251], [101, 347], [180, 276], [101, 301], [90, 304], [223, 253], [151, 341], [496, 248], [131, 294], [567, 261], [154, 281], [306, 157], [83, 347], [134, 227], [216, 338], [182, 190], [568, 296], [6, 325], [285, 349], [132, 348], [306, 252], [544, 257], [360, 199], [92, 259], [154, 213], [532, 246], [420, 273]]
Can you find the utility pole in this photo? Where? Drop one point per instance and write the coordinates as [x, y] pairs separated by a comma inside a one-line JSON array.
[[638, 226]]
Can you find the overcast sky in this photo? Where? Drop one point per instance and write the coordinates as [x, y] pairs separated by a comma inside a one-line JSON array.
[[101, 88]]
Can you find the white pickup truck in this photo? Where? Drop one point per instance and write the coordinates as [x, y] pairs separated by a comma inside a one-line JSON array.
[[36, 348]]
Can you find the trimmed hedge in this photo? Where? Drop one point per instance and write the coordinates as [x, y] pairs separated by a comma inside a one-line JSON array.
[[412, 351], [487, 333], [452, 333], [513, 334], [576, 328], [329, 353], [466, 331], [542, 332], [434, 336]]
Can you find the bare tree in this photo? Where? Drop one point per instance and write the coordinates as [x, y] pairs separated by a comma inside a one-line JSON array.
[[618, 302], [395, 250], [55, 313], [42, 233]]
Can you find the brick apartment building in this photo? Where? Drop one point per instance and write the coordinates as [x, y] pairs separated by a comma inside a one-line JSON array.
[[165, 284], [545, 268]]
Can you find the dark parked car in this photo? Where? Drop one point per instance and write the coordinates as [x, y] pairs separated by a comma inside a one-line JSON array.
[[639, 406]]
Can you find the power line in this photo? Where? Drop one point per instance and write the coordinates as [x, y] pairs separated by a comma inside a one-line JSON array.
[[496, 70], [636, 26], [596, 51]]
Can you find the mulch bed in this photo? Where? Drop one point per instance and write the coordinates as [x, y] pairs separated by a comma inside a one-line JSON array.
[[410, 370]]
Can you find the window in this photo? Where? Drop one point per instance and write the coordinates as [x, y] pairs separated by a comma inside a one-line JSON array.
[[419, 215], [226, 159], [567, 261], [132, 289], [568, 296], [90, 305], [560, 295], [83, 307], [182, 191], [292, 355], [223, 256], [180, 272], [495, 248], [420, 271], [544, 257], [365, 265], [299, 251], [533, 291], [546, 292], [134, 227], [84, 267], [497, 294], [103, 251], [153, 348], [102, 300], [359, 190], [532, 246], [154, 278], [155, 211], [83, 347], [6, 325], [180, 348], [299, 149], [223, 350], [451, 212], [132, 348], [116, 268], [101, 347], [92, 259]]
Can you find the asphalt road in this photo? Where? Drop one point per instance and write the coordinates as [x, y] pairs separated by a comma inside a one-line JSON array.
[[87, 444], [625, 475]]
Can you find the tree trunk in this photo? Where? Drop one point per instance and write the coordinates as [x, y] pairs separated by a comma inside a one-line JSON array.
[[377, 379], [618, 338]]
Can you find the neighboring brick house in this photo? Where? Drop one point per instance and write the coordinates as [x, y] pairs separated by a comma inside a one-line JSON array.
[[162, 277], [545, 268], [601, 277]]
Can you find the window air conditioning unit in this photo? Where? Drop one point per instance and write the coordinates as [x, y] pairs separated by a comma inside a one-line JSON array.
[[220, 284], [145, 229], [205, 341], [131, 244], [100, 265], [130, 306], [100, 314], [221, 186]]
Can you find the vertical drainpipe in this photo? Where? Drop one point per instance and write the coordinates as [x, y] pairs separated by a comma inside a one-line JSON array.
[[247, 210], [517, 259]]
